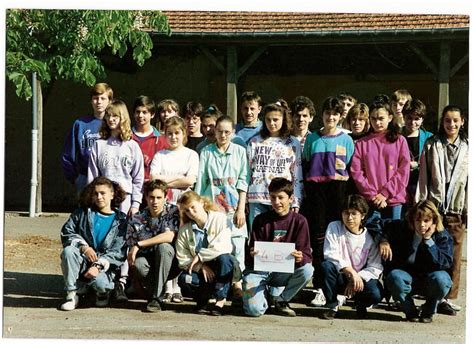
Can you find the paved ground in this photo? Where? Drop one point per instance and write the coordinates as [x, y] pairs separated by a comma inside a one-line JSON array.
[[33, 289]]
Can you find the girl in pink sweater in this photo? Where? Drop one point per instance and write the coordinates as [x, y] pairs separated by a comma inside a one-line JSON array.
[[380, 168]]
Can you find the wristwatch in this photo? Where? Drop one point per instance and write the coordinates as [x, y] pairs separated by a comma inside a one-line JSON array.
[[138, 245]]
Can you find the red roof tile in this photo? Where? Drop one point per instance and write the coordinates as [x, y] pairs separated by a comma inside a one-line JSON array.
[[279, 22]]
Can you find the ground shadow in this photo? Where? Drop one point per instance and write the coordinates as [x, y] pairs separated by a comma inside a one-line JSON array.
[[23, 289]]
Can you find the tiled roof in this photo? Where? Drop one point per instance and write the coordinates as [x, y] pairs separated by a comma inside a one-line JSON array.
[[280, 22]]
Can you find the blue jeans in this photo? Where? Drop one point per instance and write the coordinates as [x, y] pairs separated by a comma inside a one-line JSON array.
[[335, 282], [238, 250], [74, 265], [255, 284], [194, 283], [433, 285]]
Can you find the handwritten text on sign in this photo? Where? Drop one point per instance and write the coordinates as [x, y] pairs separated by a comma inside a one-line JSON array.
[[274, 256]]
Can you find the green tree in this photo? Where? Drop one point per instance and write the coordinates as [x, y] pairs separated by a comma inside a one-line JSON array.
[[66, 44]]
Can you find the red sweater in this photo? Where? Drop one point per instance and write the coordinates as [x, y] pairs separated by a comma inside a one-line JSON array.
[[292, 227], [149, 146]]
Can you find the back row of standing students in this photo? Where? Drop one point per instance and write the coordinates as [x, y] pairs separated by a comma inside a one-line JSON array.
[[359, 148]]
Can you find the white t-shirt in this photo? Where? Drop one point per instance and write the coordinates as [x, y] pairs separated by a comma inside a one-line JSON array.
[[178, 162], [360, 252]]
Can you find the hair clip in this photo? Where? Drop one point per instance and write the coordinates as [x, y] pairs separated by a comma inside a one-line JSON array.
[[278, 103]]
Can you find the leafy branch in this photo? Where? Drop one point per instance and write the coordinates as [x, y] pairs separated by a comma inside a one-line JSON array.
[[66, 44]]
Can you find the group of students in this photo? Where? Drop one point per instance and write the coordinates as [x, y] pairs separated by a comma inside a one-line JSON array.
[[369, 197]]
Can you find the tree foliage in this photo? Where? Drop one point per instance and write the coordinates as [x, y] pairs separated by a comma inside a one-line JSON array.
[[66, 44]]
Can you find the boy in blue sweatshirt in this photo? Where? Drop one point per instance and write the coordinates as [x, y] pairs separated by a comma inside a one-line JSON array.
[[81, 138]]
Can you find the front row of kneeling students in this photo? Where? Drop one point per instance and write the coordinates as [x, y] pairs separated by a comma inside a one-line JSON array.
[[193, 242]]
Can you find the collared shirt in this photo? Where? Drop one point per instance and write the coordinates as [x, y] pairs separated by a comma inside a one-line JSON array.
[[222, 175], [451, 155], [302, 139], [200, 235], [142, 225]]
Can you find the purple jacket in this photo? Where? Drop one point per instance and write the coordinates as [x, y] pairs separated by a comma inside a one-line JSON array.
[[379, 166]]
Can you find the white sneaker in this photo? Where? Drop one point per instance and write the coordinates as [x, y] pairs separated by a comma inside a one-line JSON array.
[[72, 300], [102, 300], [319, 299], [457, 308], [341, 300]]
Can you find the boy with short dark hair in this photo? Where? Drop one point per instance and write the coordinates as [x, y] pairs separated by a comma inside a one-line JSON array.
[[150, 238], [145, 134], [278, 225], [80, 140], [250, 107], [302, 114]]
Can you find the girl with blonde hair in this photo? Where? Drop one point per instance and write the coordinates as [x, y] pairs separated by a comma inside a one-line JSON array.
[[418, 253], [178, 167], [203, 250], [116, 156]]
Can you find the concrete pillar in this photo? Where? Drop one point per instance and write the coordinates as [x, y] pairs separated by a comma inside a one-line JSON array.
[[443, 77], [232, 82]]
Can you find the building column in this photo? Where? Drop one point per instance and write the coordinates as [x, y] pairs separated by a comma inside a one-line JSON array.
[[232, 82], [443, 77]]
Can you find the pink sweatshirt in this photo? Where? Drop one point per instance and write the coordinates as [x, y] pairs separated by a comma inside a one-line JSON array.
[[379, 166]]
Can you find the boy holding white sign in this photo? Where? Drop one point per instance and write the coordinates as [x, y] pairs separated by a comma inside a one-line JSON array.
[[279, 225]]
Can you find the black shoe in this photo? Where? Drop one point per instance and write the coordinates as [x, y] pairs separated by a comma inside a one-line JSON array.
[[395, 306], [283, 308], [201, 309], [119, 293], [217, 311], [445, 308], [153, 306], [362, 313], [329, 314], [413, 318], [426, 319]]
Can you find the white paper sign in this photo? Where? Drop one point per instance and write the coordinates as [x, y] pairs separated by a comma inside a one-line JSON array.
[[274, 256]]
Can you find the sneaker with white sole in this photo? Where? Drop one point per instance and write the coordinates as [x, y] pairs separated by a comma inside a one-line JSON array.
[[72, 300], [457, 308], [341, 300], [319, 298], [102, 300]]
